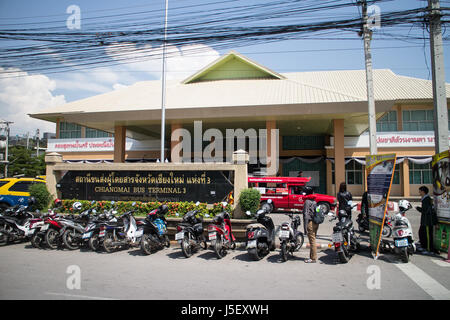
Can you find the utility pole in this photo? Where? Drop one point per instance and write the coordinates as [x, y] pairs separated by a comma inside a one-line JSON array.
[[438, 74], [163, 88], [367, 36]]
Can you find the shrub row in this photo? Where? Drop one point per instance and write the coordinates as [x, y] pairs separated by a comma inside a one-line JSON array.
[[143, 208]]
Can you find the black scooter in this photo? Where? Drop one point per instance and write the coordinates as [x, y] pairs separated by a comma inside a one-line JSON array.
[[154, 231], [190, 233], [261, 235], [343, 237]]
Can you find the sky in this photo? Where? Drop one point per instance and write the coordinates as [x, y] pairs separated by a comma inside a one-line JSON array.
[[32, 92]]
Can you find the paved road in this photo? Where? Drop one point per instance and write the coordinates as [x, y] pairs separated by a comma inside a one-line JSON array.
[[29, 273]]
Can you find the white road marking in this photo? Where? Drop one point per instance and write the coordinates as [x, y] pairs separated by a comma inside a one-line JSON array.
[[77, 296], [424, 281], [441, 263]]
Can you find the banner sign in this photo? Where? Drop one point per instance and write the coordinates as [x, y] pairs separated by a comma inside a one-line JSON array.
[[98, 145], [441, 192], [380, 171], [172, 186]]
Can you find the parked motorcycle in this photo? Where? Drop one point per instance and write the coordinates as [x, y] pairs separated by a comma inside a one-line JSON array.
[[190, 233], [117, 235], [291, 239], [402, 233], [92, 230], [73, 230], [220, 234], [154, 228], [363, 225], [343, 237], [261, 235], [15, 224]]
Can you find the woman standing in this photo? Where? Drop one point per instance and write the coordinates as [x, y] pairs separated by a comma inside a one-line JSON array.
[[344, 199]]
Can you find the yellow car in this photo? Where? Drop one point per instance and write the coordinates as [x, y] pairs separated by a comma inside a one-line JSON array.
[[14, 191]]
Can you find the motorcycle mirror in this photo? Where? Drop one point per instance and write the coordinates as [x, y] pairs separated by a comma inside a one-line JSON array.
[[248, 213], [114, 212], [206, 215], [133, 204], [94, 211], [177, 214], [197, 203], [93, 201], [113, 202]]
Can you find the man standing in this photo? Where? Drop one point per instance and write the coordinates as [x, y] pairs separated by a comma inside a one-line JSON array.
[[428, 220], [309, 208]]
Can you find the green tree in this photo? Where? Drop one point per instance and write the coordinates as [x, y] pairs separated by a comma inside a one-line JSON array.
[[24, 161]]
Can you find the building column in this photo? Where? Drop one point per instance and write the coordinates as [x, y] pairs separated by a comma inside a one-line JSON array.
[[272, 150], [405, 178], [339, 154], [119, 143], [329, 172]]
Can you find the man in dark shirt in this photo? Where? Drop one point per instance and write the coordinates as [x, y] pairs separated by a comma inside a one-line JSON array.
[[428, 220]]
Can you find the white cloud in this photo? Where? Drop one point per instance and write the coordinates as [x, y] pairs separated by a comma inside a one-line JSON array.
[[181, 61], [24, 94]]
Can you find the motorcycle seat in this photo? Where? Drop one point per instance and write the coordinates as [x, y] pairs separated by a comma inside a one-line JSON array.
[[255, 225]]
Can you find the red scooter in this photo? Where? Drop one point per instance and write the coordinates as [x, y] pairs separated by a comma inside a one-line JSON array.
[[220, 234]]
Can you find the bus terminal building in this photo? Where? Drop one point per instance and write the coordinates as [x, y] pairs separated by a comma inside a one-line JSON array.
[[321, 119]]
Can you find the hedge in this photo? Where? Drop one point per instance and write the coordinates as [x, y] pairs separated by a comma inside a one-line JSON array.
[[143, 208]]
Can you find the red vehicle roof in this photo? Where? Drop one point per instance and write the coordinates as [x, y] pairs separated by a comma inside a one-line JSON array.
[[279, 179]]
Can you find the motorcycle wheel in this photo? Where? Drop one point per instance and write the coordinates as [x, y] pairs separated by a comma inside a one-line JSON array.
[[51, 238], [404, 254], [218, 247], [254, 254], [69, 240], [186, 247], [4, 239], [283, 253], [93, 242], [146, 245], [300, 241], [107, 243], [36, 240], [167, 244], [344, 255], [387, 231]]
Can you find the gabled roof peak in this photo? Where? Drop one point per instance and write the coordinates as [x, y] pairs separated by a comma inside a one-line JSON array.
[[233, 66]]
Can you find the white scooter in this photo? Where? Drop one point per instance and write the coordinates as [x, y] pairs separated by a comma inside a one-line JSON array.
[[402, 232]]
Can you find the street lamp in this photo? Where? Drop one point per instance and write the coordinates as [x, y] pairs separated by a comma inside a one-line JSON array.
[[5, 137], [163, 88]]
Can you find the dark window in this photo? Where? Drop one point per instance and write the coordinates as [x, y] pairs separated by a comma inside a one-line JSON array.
[[21, 186], [2, 183]]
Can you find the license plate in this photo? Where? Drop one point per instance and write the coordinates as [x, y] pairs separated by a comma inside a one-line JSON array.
[[212, 236], [87, 235], [284, 234], [180, 236], [337, 237], [399, 243], [251, 244], [101, 233], [44, 227]]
